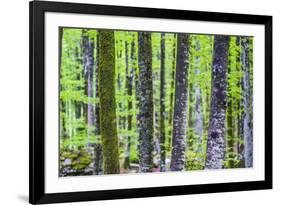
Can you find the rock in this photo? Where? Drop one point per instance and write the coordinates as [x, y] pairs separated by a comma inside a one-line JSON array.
[[67, 162]]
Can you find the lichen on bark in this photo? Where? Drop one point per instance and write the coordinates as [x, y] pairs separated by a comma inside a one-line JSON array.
[[247, 118], [145, 102], [180, 105], [216, 133]]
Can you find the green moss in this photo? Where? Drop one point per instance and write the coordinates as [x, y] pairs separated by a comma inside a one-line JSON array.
[[85, 161], [107, 102]]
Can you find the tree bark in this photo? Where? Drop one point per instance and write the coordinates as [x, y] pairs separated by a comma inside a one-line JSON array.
[[190, 121], [145, 102], [107, 102], [198, 118], [62, 125], [247, 122], [216, 133], [180, 107], [78, 104], [88, 63], [230, 130], [97, 162], [129, 87], [97, 146], [162, 106], [172, 93], [240, 108], [97, 107]]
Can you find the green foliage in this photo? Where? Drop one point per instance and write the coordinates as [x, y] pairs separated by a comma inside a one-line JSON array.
[[199, 77]]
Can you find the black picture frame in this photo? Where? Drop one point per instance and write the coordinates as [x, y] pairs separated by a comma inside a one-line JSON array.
[[37, 11]]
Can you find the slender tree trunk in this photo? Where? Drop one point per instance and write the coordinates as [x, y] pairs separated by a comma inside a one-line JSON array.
[[231, 105], [247, 124], [230, 131], [162, 107], [88, 64], [119, 83], [190, 133], [207, 90], [136, 84], [240, 107], [62, 125], [198, 121], [97, 107], [97, 162], [216, 134], [97, 146], [70, 122], [145, 102], [157, 149], [79, 105], [129, 86], [107, 102], [198, 127], [172, 92], [240, 134], [180, 107]]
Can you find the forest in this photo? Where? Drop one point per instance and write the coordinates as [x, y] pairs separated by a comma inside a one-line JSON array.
[[142, 101]]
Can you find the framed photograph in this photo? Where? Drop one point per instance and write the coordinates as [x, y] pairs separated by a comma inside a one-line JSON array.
[[132, 102]]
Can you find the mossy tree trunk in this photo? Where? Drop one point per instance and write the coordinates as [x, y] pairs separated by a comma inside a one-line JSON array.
[[180, 107], [107, 102], [145, 102], [191, 107], [162, 106], [240, 114], [216, 133]]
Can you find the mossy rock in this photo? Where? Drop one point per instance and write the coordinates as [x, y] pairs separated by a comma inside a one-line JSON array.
[[85, 160]]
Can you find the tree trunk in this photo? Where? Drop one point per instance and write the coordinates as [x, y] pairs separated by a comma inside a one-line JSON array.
[[207, 90], [107, 102], [240, 108], [162, 106], [190, 121], [172, 93], [97, 162], [216, 133], [198, 121], [145, 102], [78, 104], [129, 87], [62, 125], [97, 107], [247, 122], [231, 105], [97, 146], [88, 63], [230, 131], [180, 107]]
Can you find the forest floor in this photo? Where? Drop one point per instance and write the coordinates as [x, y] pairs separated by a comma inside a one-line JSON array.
[[80, 163]]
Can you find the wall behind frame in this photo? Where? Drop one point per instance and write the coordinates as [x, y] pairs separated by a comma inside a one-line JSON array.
[[14, 100]]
